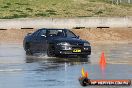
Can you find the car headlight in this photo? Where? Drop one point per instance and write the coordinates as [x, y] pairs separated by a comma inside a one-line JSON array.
[[86, 44], [63, 43]]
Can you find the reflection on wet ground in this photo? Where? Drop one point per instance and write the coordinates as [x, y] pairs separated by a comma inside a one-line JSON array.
[[20, 71]]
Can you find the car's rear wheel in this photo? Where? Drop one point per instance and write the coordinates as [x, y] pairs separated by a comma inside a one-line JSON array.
[[27, 48], [28, 52]]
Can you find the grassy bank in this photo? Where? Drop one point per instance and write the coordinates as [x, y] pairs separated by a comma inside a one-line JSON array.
[[62, 8]]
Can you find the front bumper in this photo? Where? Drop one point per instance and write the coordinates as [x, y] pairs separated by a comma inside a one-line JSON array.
[[69, 50]]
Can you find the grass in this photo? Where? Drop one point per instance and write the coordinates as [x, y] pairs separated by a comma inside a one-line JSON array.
[[62, 8]]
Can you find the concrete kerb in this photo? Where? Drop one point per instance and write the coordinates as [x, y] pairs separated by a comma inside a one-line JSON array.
[[85, 22]]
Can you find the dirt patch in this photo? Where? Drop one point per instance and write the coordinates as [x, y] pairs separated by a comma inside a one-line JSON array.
[[107, 35], [13, 35]]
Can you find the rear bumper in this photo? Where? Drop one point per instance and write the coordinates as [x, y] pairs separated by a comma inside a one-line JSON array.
[[68, 50]]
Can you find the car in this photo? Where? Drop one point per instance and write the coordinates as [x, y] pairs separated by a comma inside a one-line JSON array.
[[56, 42]]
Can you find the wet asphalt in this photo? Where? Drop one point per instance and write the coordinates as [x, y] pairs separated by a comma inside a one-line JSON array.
[[39, 71]]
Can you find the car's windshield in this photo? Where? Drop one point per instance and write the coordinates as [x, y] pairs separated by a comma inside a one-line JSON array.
[[60, 33], [70, 34], [55, 33]]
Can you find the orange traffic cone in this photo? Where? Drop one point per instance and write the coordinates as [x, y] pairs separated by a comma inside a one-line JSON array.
[[86, 74], [102, 59], [103, 64]]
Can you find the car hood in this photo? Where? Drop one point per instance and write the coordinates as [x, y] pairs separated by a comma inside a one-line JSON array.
[[69, 40]]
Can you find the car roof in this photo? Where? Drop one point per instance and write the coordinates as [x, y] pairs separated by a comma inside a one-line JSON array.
[[52, 29]]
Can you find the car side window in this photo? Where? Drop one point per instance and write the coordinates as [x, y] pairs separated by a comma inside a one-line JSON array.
[[39, 33], [70, 34]]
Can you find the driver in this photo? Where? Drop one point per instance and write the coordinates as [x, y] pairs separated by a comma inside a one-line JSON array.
[[60, 33]]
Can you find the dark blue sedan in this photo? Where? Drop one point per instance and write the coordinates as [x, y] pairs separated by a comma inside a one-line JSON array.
[[56, 42]]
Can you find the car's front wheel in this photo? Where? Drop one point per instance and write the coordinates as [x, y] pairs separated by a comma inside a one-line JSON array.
[[51, 51]]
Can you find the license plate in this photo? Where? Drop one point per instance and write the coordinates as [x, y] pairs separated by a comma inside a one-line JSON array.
[[77, 50]]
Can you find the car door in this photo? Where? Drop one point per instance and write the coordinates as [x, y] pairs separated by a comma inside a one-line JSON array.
[[39, 41]]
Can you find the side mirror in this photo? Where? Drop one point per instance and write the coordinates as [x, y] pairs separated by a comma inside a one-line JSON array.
[[78, 37], [29, 33], [43, 36]]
